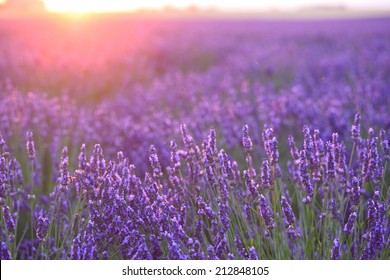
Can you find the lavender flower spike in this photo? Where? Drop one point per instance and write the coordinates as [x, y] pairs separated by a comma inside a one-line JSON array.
[[335, 252], [265, 174], [355, 130], [82, 158], [246, 140], [42, 228], [348, 227], [330, 167], [305, 178], [154, 162], [9, 221], [287, 211], [253, 254], [266, 213], [64, 169], [274, 153], [30, 145], [293, 149]]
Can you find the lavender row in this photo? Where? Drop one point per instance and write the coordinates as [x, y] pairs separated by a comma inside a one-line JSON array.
[[205, 205]]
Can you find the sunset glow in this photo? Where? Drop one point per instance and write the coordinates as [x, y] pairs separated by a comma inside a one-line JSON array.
[[77, 6], [85, 6]]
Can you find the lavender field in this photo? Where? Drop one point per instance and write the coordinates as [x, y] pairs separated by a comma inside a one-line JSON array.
[[201, 139]]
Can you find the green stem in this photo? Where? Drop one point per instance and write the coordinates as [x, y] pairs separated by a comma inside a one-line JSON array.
[[351, 157], [31, 200]]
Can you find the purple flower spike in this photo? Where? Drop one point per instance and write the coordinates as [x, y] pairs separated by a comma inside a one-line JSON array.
[[274, 155], [330, 162], [288, 212], [355, 191], [305, 178], [253, 254], [250, 184], [3, 177], [266, 213], [187, 139], [82, 158], [355, 130], [265, 174], [212, 141], [246, 140], [30, 146], [9, 221], [293, 149], [175, 158], [348, 227], [335, 252], [42, 228], [5, 254], [153, 159], [64, 169], [386, 150]]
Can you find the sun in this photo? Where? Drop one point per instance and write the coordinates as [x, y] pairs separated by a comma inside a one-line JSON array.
[[88, 6]]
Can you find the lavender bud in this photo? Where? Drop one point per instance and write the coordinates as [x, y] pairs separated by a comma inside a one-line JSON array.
[[371, 133], [386, 150], [274, 155], [305, 178], [330, 167], [265, 174], [246, 140], [382, 134], [223, 189], [198, 230], [211, 252], [30, 145], [64, 169], [3, 177], [348, 227], [221, 248], [292, 233], [153, 159], [75, 251], [293, 149], [248, 213], [374, 161], [205, 210], [224, 215], [355, 130], [288, 212], [187, 139], [253, 254], [2, 143], [175, 158], [240, 248], [251, 170], [212, 141], [318, 144], [268, 134], [9, 221], [5, 254], [42, 228], [355, 191], [266, 213], [82, 158], [335, 252], [308, 144], [250, 184]]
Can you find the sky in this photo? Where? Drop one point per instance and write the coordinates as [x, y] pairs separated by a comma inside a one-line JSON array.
[[131, 5]]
